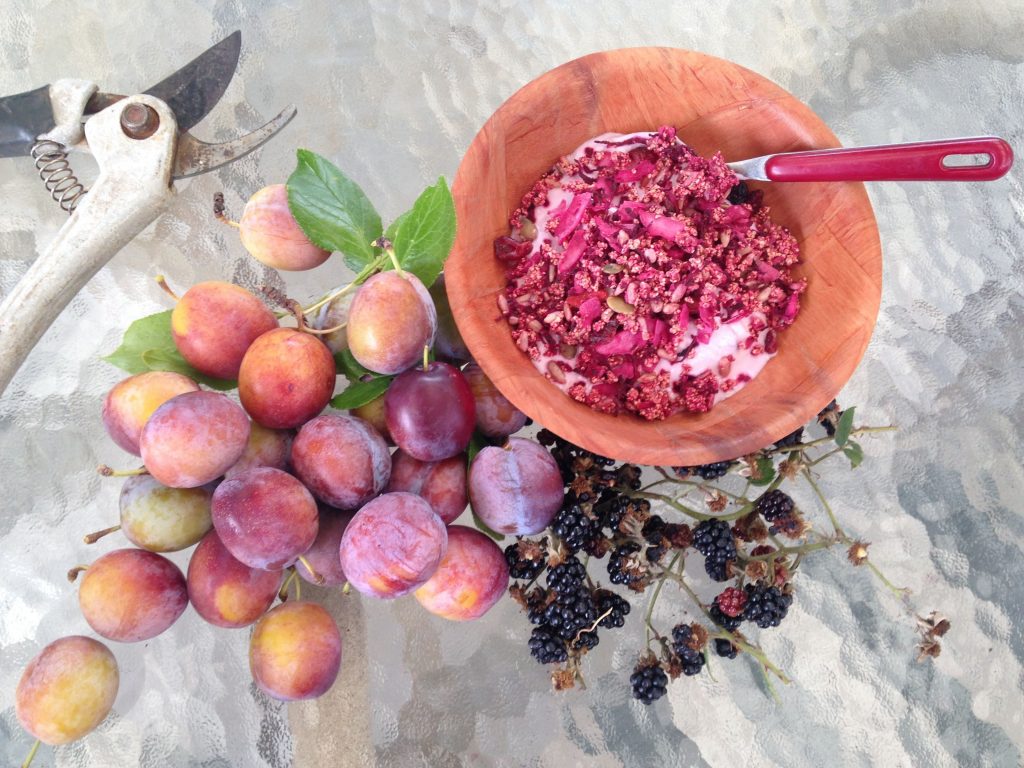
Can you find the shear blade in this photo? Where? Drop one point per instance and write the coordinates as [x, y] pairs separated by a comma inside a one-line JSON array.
[[193, 90], [194, 157]]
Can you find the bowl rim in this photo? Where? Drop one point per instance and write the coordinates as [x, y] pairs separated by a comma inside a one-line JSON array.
[[700, 448]]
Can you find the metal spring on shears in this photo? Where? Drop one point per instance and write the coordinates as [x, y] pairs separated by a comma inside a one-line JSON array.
[[51, 158]]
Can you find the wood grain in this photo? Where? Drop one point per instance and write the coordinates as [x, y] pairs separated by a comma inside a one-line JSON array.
[[716, 106]]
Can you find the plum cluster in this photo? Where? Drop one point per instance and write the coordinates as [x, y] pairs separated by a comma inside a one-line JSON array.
[[275, 486]]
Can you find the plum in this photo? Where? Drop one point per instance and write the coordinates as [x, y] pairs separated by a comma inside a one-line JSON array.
[[163, 519], [430, 412], [441, 483], [393, 545], [213, 325], [67, 689], [515, 489], [265, 448], [265, 517], [193, 439], [448, 343], [373, 412], [286, 378], [391, 320], [271, 235], [495, 415], [341, 459], [225, 591], [324, 556], [331, 315], [130, 403], [471, 578], [130, 595], [295, 651]]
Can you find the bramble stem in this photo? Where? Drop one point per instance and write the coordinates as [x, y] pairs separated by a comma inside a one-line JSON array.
[[823, 544], [668, 500], [31, 754], [901, 592], [654, 597], [824, 502]]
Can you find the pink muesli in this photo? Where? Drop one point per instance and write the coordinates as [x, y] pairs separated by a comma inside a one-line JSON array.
[[635, 284]]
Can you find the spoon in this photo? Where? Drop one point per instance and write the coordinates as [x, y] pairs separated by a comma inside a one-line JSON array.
[[984, 158]]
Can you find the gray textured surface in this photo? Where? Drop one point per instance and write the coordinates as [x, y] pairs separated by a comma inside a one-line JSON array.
[[394, 92]]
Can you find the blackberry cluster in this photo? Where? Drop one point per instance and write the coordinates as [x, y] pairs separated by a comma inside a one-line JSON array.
[[774, 505], [586, 640], [649, 683], [722, 619], [566, 577], [522, 567], [708, 472], [547, 647], [570, 612], [682, 642], [622, 567], [574, 526], [725, 649], [619, 607], [714, 540], [766, 605]]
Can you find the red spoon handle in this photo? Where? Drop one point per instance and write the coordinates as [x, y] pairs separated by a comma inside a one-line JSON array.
[[920, 161]]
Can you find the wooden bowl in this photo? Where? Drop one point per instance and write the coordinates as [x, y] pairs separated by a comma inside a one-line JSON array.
[[716, 106]]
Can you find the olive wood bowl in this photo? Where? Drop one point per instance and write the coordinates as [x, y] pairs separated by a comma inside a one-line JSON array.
[[715, 105]]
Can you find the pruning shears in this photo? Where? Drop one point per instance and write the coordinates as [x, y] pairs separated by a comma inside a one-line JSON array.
[[142, 145]]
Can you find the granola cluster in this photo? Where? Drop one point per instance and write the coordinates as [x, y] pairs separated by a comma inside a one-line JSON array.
[[636, 285]]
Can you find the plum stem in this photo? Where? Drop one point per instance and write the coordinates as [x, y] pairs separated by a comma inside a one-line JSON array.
[[282, 594], [359, 279], [162, 282], [389, 249], [92, 538], [106, 471], [218, 210], [298, 586], [346, 588], [316, 576], [426, 357], [31, 754], [73, 572]]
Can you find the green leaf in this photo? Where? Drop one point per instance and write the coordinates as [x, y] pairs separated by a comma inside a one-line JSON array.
[[171, 360], [332, 210], [347, 365], [389, 233], [424, 235], [854, 453], [765, 471], [360, 393], [151, 332], [485, 528], [844, 427], [147, 345], [476, 443]]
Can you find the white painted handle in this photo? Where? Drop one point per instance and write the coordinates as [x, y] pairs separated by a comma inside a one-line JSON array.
[[133, 186]]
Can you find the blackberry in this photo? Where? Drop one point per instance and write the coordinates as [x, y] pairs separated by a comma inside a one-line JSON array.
[[649, 683], [653, 530], [586, 640], [574, 527], [537, 603], [729, 623], [714, 540], [774, 504], [521, 566], [792, 439], [570, 613], [766, 606], [725, 649], [731, 601], [566, 577], [739, 194], [707, 471], [692, 659], [655, 554], [619, 606], [622, 569], [547, 647]]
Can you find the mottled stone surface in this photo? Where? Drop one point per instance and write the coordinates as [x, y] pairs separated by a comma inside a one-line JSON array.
[[394, 92]]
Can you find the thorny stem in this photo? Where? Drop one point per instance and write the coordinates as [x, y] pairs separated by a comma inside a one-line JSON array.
[[823, 544], [654, 599], [824, 502], [901, 592], [31, 755], [668, 500]]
